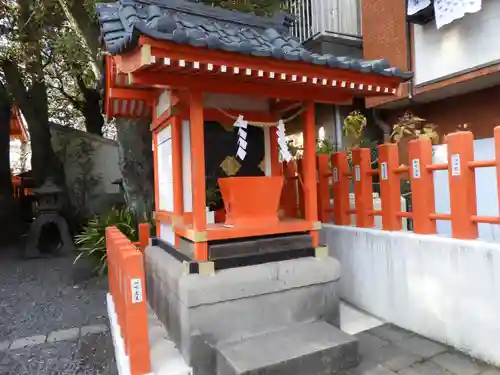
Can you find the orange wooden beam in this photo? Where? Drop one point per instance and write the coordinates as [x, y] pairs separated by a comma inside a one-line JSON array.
[[132, 94], [216, 85], [161, 49]]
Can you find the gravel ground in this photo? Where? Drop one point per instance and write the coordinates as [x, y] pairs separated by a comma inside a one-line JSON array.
[[40, 296]]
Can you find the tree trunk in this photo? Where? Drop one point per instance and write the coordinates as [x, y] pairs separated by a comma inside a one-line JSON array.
[[9, 210], [136, 164], [33, 105], [91, 108]]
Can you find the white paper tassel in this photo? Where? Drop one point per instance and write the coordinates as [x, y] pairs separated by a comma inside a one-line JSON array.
[[285, 153], [242, 136]]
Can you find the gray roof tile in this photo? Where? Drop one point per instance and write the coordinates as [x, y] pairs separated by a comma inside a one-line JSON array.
[[199, 25]]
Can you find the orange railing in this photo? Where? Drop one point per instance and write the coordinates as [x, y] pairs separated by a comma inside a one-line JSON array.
[[461, 170], [127, 288]]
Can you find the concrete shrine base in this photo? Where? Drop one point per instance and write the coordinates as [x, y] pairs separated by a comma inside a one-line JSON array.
[[278, 317]]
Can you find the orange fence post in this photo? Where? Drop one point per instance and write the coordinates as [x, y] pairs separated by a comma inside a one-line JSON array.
[[363, 191], [137, 340], [340, 184], [497, 162], [324, 203], [462, 185], [390, 192], [144, 232], [422, 186]]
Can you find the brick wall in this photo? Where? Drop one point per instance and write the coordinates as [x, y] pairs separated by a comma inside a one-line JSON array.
[[384, 36], [479, 110]]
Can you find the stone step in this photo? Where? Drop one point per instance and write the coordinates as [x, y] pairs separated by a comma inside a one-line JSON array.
[[302, 349]]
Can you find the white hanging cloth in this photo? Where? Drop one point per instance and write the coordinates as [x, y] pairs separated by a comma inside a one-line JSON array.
[[447, 11], [280, 131], [242, 125], [415, 6]]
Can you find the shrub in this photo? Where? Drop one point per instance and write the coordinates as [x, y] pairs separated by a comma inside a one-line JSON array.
[[91, 242]]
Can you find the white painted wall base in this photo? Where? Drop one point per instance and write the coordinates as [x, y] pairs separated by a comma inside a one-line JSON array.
[[122, 360], [442, 288]]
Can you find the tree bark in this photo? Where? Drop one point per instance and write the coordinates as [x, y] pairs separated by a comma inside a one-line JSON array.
[[33, 105], [9, 210], [91, 108], [136, 165]]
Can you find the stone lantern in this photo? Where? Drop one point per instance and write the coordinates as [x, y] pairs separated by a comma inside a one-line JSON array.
[[49, 233]]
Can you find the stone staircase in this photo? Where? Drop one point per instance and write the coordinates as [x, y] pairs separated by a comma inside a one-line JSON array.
[[316, 348]]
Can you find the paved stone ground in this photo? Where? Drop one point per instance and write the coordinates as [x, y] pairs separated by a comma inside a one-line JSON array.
[[390, 350], [53, 319]]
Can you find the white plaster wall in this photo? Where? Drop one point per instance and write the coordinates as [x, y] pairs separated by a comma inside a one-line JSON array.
[[228, 101], [165, 172], [486, 190], [164, 100], [463, 44], [445, 289]]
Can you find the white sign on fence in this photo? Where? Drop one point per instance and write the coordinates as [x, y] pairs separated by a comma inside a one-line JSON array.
[[383, 170], [335, 174], [416, 168], [136, 286], [455, 165], [357, 173]]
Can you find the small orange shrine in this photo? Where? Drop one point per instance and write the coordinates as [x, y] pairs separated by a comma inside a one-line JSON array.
[[190, 68], [18, 131]]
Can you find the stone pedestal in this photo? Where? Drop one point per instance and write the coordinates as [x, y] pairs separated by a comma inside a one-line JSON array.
[[202, 313]]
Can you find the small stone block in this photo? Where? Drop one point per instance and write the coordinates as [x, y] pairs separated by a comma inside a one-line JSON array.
[[390, 332], [64, 335], [422, 347], [427, 368], [206, 268], [457, 363], [185, 268], [94, 329], [4, 345], [393, 357], [321, 252], [27, 341], [369, 343]]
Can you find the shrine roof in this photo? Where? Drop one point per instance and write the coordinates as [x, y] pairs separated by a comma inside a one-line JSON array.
[[191, 23]]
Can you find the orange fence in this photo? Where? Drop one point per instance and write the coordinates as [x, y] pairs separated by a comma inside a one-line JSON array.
[[127, 288], [334, 173]]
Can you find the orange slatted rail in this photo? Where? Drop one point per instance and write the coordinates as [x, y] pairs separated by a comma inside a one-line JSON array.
[[290, 200], [461, 168], [300, 189], [127, 288]]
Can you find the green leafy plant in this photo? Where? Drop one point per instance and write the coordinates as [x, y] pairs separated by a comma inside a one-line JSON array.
[[91, 242], [414, 127], [354, 126]]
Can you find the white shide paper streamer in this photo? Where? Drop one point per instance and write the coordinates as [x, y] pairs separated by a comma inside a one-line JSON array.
[[241, 124], [285, 153]]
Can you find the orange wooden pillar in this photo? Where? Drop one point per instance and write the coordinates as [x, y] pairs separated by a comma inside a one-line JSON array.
[[422, 186], [363, 190], [324, 205], [177, 173], [289, 194], [462, 185], [309, 169], [198, 174], [390, 191], [340, 181], [300, 188]]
